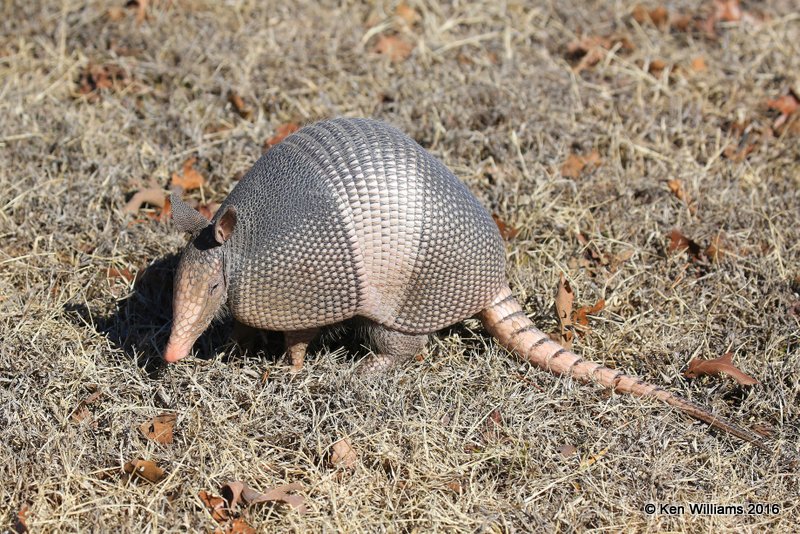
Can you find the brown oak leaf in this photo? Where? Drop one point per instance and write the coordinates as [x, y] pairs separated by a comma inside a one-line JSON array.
[[239, 106], [567, 450], [159, 428], [493, 427], [82, 413], [406, 14], [281, 132], [579, 315], [394, 47], [679, 242], [787, 105], [216, 506], [125, 274], [343, 454], [190, 177], [146, 469], [574, 165], [236, 492], [564, 300], [723, 364], [20, 524], [676, 186], [658, 16], [699, 64], [154, 196], [506, 231], [591, 49]]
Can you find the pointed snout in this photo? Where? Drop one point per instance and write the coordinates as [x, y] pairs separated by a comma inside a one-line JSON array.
[[176, 350]]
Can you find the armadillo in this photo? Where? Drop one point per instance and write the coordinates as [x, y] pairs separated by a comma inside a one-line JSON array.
[[351, 218]]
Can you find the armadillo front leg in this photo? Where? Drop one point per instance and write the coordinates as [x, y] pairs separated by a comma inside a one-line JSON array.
[[391, 348], [297, 342]]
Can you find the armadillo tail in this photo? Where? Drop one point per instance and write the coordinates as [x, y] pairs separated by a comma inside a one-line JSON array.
[[507, 322]]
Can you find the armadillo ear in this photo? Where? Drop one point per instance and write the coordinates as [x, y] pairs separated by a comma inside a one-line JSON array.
[[186, 218], [225, 224]]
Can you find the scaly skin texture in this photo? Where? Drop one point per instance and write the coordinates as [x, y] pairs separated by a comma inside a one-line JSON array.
[[507, 322], [345, 218], [351, 218]]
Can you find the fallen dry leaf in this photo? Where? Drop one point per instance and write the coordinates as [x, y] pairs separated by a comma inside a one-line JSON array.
[[567, 450], [617, 260], [159, 428], [281, 132], [699, 64], [728, 10], [624, 256], [125, 274], [787, 105], [190, 177], [681, 22], [240, 526], [739, 152], [679, 242], [215, 505], [723, 364], [506, 231], [579, 315], [145, 469], [656, 67], [238, 104], [82, 413], [455, 486], [591, 49], [208, 210], [715, 251], [564, 299], [492, 427], [154, 196], [236, 492], [676, 186], [166, 211], [394, 47], [591, 254], [343, 454], [115, 14], [141, 9], [96, 78], [658, 16], [20, 524], [406, 13], [574, 165]]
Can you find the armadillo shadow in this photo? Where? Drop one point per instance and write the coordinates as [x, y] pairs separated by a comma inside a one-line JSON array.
[[140, 326], [140, 323]]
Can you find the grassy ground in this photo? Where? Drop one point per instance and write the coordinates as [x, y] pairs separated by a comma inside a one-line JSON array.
[[491, 89]]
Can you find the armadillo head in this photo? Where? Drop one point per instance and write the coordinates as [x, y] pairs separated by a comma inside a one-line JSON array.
[[200, 287]]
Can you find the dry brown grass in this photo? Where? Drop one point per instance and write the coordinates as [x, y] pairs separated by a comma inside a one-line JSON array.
[[488, 90]]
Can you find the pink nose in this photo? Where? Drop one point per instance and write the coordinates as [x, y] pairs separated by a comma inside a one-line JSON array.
[[175, 352]]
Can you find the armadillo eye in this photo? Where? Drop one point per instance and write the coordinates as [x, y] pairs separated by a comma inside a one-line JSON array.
[[213, 288]]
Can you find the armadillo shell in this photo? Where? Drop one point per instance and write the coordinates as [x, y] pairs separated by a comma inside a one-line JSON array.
[[350, 217]]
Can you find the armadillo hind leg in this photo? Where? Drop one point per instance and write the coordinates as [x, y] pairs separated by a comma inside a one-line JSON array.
[[297, 342], [391, 347]]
